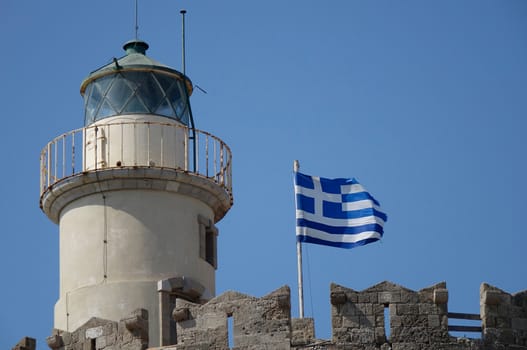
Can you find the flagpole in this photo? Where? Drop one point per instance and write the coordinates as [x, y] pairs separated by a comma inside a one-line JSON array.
[[296, 166]]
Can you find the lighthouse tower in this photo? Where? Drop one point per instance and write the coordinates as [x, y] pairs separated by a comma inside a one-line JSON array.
[[136, 193]]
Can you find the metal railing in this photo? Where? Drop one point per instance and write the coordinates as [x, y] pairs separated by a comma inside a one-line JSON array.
[[135, 144], [464, 328]]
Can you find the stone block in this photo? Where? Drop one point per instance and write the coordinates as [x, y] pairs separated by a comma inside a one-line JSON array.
[[396, 321], [54, 341], [365, 309], [506, 336], [407, 309], [389, 297], [100, 343], [440, 296], [181, 314], [95, 332], [519, 324], [351, 322], [336, 321], [493, 297], [338, 298], [26, 343], [406, 346], [367, 321], [302, 331], [409, 297], [368, 297], [428, 309], [380, 335], [434, 321], [488, 322]]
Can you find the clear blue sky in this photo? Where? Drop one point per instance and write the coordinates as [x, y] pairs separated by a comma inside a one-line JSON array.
[[423, 101]]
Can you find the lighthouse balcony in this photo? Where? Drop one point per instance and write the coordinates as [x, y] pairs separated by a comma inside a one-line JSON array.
[[140, 152]]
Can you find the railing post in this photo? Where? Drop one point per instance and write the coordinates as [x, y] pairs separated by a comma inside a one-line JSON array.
[[95, 147], [64, 155], [148, 146], [221, 165], [73, 152], [207, 155], [107, 144], [185, 145], [135, 143], [55, 163], [215, 160], [42, 171], [162, 155], [84, 149], [196, 156]]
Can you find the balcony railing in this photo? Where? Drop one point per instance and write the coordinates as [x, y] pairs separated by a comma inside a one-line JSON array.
[[136, 144]]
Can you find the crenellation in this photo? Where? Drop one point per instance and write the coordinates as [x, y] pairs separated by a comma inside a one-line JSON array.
[[26, 343], [504, 317], [417, 320]]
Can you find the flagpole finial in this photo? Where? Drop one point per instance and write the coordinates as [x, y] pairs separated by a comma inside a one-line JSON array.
[[296, 165]]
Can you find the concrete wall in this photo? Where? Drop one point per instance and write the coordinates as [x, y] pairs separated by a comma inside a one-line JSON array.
[[116, 245]]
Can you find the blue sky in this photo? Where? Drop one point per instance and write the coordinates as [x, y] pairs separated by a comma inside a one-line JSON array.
[[422, 101]]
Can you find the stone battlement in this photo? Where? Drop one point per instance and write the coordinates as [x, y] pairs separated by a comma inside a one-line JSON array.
[[417, 320]]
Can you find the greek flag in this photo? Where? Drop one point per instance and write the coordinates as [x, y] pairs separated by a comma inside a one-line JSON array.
[[336, 212]]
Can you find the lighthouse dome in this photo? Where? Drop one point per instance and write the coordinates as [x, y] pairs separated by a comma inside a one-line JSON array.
[[136, 84]]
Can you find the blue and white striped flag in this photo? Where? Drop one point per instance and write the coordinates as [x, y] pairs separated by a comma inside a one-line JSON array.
[[336, 212]]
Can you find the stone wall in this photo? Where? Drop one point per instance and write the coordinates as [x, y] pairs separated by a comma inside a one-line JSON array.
[[504, 317], [130, 333], [418, 320], [265, 320], [26, 343]]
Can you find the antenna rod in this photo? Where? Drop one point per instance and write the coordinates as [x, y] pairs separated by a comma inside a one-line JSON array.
[[183, 41], [136, 21]]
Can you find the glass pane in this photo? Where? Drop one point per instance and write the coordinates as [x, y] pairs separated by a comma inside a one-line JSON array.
[[178, 99], [95, 95], [150, 92], [165, 81], [87, 94], [104, 83], [185, 118], [119, 93], [174, 97], [135, 106], [181, 104], [133, 79], [105, 111], [165, 109], [93, 101], [88, 108]]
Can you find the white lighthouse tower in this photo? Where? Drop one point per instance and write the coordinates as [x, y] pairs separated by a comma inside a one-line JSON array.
[[136, 193]]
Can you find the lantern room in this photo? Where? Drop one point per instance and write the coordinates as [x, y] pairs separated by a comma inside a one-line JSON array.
[[136, 84]]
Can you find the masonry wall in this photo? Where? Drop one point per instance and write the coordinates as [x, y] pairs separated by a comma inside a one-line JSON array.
[[504, 317], [418, 320], [130, 333]]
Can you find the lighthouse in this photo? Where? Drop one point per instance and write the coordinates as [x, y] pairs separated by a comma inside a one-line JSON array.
[[136, 193]]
